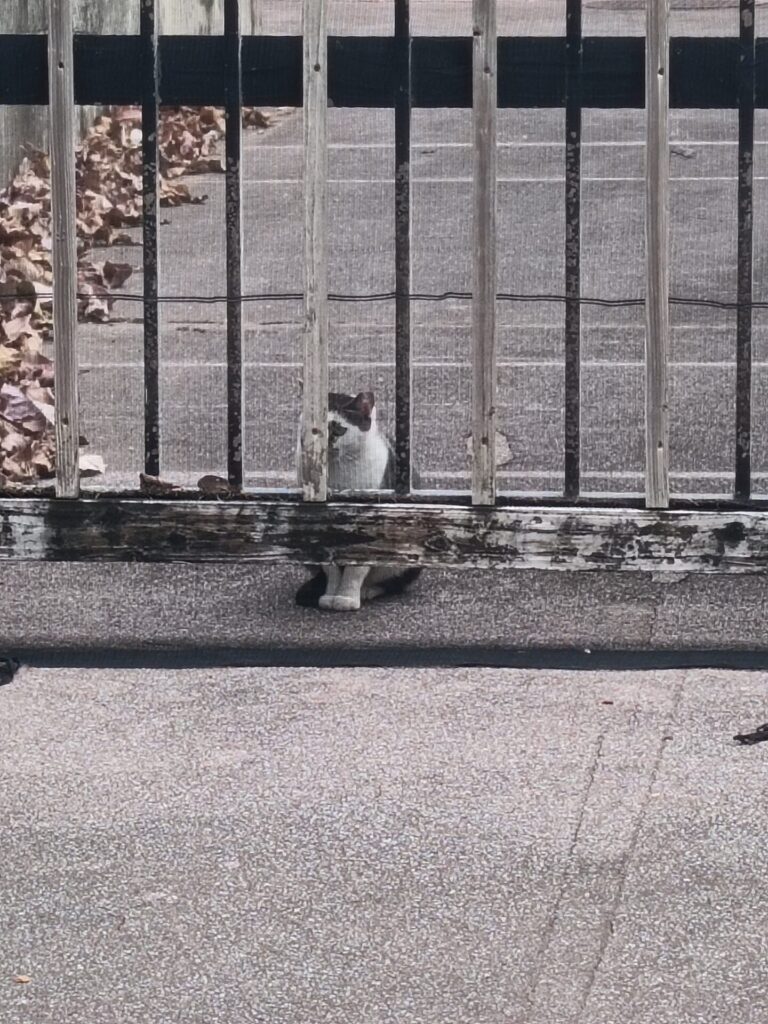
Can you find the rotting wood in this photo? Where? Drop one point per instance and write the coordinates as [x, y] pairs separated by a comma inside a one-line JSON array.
[[484, 253], [314, 432], [64, 244], [657, 255], [118, 530]]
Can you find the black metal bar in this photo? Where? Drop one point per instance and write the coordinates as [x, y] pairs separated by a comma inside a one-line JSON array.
[[743, 481], [403, 251], [363, 72], [150, 99], [573, 82], [233, 207]]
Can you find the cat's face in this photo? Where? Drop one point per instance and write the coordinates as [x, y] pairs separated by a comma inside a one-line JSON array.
[[350, 413]]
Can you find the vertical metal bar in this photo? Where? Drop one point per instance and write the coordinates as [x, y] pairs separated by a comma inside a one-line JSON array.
[[64, 220], [150, 146], [657, 254], [573, 95], [403, 376], [743, 482], [484, 60], [234, 241], [314, 434]]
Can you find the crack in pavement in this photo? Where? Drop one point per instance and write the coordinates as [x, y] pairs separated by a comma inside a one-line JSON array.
[[555, 912], [608, 927]]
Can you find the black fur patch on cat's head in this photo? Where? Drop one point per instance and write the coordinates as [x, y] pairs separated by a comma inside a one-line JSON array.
[[357, 409]]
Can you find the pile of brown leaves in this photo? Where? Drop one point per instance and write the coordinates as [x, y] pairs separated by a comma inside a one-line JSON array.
[[109, 200]]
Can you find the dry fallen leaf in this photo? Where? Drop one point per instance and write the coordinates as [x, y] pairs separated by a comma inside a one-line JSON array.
[[503, 452], [155, 487], [109, 182], [91, 465], [214, 485], [22, 979]]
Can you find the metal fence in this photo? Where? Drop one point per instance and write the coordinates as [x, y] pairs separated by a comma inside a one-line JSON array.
[[400, 72]]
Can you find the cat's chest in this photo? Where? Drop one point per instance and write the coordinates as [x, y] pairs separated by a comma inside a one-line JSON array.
[[358, 462]]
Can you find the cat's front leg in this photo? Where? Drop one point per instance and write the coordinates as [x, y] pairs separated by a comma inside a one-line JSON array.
[[348, 594], [333, 576]]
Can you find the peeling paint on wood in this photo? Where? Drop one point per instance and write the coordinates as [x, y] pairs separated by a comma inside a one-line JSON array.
[[117, 530]]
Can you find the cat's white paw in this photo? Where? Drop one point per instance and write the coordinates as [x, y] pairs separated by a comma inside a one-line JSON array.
[[327, 602], [345, 604]]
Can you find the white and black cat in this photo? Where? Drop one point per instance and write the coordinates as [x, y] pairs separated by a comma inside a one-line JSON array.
[[360, 458]]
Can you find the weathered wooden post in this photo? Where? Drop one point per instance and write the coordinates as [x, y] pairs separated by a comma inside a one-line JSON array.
[[64, 242]]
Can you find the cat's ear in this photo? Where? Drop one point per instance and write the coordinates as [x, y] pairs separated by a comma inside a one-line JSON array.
[[364, 404]]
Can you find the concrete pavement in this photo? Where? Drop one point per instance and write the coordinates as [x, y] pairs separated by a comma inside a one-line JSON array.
[[154, 607], [295, 846]]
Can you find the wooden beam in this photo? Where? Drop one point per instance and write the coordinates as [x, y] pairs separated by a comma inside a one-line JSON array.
[[120, 530], [657, 255], [484, 275], [314, 432], [63, 138]]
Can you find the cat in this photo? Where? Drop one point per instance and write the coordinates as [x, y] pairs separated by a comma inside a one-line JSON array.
[[360, 458]]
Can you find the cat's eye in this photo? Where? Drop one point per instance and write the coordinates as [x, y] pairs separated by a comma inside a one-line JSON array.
[[336, 429]]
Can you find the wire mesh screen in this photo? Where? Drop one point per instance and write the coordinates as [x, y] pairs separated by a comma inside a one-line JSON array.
[[570, 403]]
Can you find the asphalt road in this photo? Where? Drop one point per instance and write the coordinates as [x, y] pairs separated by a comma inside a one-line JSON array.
[[531, 247]]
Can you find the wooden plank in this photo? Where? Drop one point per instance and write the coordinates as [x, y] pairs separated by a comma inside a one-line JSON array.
[[191, 17], [484, 58], [115, 530], [573, 90], [743, 475], [63, 136], [150, 103], [657, 255], [403, 277], [257, 17], [233, 201], [314, 432]]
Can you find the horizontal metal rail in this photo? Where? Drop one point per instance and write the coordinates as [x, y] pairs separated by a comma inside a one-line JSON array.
[[364, 71]]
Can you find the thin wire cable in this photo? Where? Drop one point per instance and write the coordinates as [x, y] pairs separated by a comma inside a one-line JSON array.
[[209, 300]]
